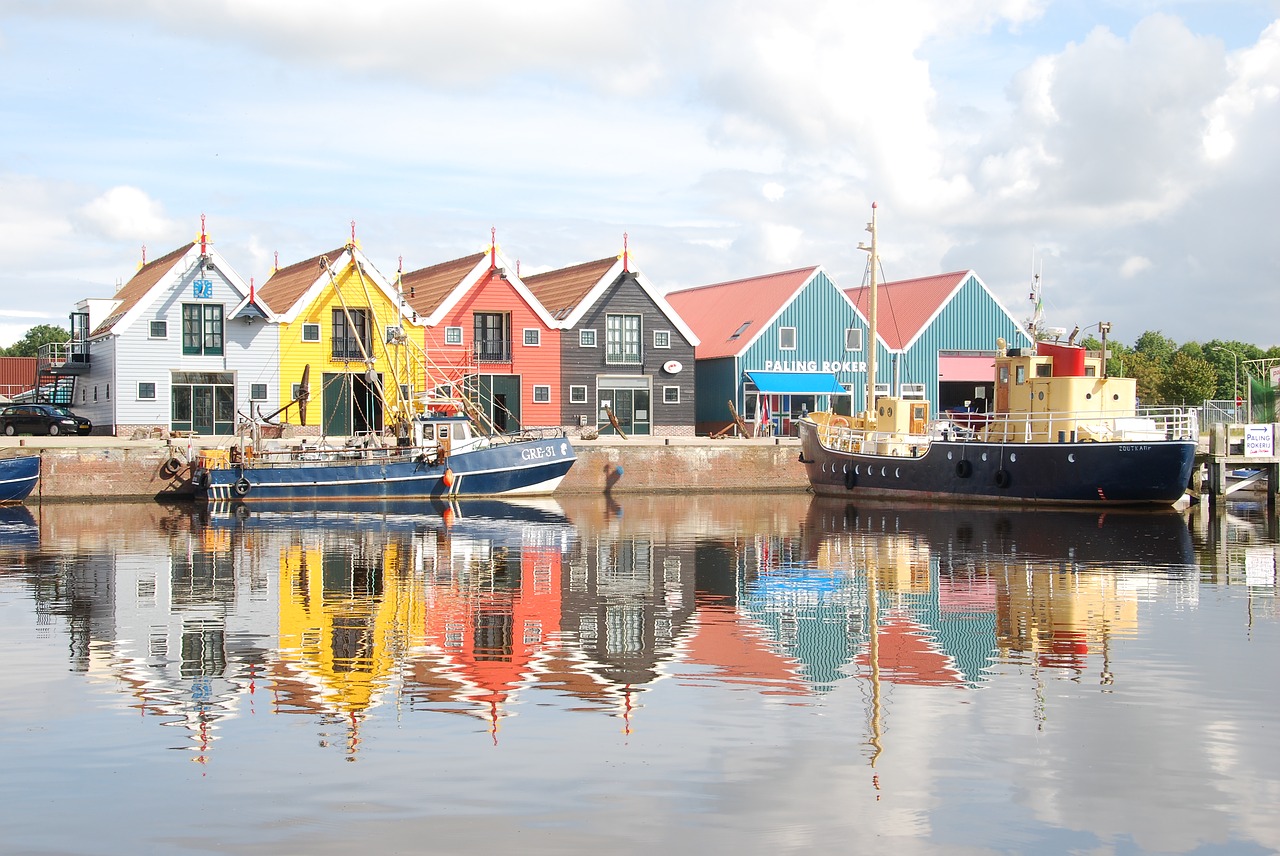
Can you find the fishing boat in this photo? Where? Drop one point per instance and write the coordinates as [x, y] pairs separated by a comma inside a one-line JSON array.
[[18, 477], [1062, 431], [436, 455]]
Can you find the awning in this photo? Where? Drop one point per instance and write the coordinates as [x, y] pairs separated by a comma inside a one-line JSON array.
[[797, 383]]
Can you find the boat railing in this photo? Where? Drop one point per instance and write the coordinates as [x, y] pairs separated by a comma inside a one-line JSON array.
[[1147, 424]]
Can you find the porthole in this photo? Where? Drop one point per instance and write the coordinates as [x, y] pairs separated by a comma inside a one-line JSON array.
[[948, 455], [1088, 395], [846, 469], [1013, 456], [1071, 458], [857, 470], [884, 471], [984, 456], [1040, 395], [897, 472], [1115, 397]]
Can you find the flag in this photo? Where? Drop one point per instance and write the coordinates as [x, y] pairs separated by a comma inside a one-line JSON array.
[[764, 411]]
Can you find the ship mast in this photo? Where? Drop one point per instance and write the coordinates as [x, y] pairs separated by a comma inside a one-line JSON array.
[[871, 334]]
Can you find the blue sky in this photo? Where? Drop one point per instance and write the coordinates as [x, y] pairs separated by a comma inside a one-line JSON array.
[[1128, 147]]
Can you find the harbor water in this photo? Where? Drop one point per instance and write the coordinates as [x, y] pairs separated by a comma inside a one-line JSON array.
[[638, 674]]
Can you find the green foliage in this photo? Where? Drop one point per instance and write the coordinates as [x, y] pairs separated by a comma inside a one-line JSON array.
[[1155, 345], [1188, 380], [29, 344]]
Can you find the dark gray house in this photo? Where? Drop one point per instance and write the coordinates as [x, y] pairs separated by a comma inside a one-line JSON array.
[[626, 357]]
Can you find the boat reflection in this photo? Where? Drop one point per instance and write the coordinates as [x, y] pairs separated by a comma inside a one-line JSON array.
[[18, 528], [479, 607]]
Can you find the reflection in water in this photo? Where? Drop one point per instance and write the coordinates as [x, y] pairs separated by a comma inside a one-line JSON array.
[[342, 620]]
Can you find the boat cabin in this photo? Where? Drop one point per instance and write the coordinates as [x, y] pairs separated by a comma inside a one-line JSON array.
[[1057, 392], [450, 433]]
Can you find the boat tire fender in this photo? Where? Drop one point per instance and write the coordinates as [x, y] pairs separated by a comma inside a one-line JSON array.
[[964, 469], [850, 479], [170, 468], [1002, 478], [241, 486]]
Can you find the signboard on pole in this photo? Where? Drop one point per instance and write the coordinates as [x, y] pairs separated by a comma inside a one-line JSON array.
[[1259, 441]]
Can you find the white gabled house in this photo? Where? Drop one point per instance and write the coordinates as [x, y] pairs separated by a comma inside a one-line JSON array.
[[183, 346]]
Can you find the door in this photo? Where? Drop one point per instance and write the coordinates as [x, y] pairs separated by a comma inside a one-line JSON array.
[[350, 405], [202, 409], [629, 400]]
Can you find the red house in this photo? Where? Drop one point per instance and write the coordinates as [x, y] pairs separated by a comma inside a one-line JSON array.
[[487, 333]]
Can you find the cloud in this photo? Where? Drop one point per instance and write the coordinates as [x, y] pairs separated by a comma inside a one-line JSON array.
[[127, 213]]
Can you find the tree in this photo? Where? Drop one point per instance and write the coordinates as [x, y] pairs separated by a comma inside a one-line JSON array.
[[1149, 374], [1189, 380], [41, 334], [1155, 345]]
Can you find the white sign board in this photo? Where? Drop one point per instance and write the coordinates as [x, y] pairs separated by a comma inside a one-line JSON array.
[[1259, 442], [1275, 376]]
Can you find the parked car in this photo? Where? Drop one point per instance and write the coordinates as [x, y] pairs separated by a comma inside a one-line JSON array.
[[51, 419]]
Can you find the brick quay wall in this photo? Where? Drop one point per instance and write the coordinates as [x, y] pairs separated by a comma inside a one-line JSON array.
[[74, 469]]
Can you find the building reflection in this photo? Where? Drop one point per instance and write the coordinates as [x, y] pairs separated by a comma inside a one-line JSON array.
[[200, 616]]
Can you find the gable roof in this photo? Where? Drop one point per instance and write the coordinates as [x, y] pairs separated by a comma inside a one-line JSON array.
[[428, 287], [906, 307], [438, 289], [290, 290], [569, 292], [136, 289], [156, 277], [729, 316]]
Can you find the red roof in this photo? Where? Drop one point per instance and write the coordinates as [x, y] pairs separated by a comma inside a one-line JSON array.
[[905, 307], [426, 288], [141, 283], [727, 316], [284, 287], [560, 291]]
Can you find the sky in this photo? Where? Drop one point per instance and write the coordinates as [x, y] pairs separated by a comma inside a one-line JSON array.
[[1127, 151]]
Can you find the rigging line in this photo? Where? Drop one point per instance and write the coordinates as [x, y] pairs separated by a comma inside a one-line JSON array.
[[351, 328]]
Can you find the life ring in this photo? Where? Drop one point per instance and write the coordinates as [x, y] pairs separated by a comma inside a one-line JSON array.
[[241, 486], [1002, 478], [170, 468], [964, 468], [838, 422]]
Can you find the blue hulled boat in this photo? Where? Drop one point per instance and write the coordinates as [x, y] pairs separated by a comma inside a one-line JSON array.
[[18, 477], [440, 457]]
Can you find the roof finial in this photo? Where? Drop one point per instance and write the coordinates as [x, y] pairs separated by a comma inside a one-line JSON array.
[[493, 248], [251, 290], [625, 261], [204, 238], [353, 233], [144, 256], [276, 265]]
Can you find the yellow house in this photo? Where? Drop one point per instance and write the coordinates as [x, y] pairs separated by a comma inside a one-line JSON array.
[[346, 355]]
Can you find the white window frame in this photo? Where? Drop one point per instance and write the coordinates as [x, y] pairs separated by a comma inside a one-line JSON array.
[[849, 332], [310, 332], [453, 335], [541, 393], [532, 337], [662, 338], [668, 397], [253, 388], [577, 394], [152, 396], [587, 338], [164, 327], [782, 331]]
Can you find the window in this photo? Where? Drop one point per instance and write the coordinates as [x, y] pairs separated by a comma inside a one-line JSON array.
[[311, 332], [351, 334], [532, 337], [491, 340], [257, 392], [394, 334], [146, 391], [1044, 370], [740, 330], [671, 395], [159, 330], [622, 339], [541, 394], [577, 395], [453, 335], [1020, 375], [853, 339], [662, 338], [202, 329], [586, 338], [294, 390], [787, 338]]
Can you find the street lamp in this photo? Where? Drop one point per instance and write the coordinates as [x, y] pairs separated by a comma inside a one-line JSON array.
[[1235, 379]]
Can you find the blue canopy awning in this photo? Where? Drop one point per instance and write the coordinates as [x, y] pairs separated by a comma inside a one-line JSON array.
[[797, 383]]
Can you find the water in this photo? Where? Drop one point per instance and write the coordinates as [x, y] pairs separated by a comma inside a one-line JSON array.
[[750, 674]]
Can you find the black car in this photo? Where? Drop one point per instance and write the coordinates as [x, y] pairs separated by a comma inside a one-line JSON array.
[[50, 419]]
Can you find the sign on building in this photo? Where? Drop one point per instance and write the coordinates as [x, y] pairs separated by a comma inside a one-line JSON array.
[[1259, 441]]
